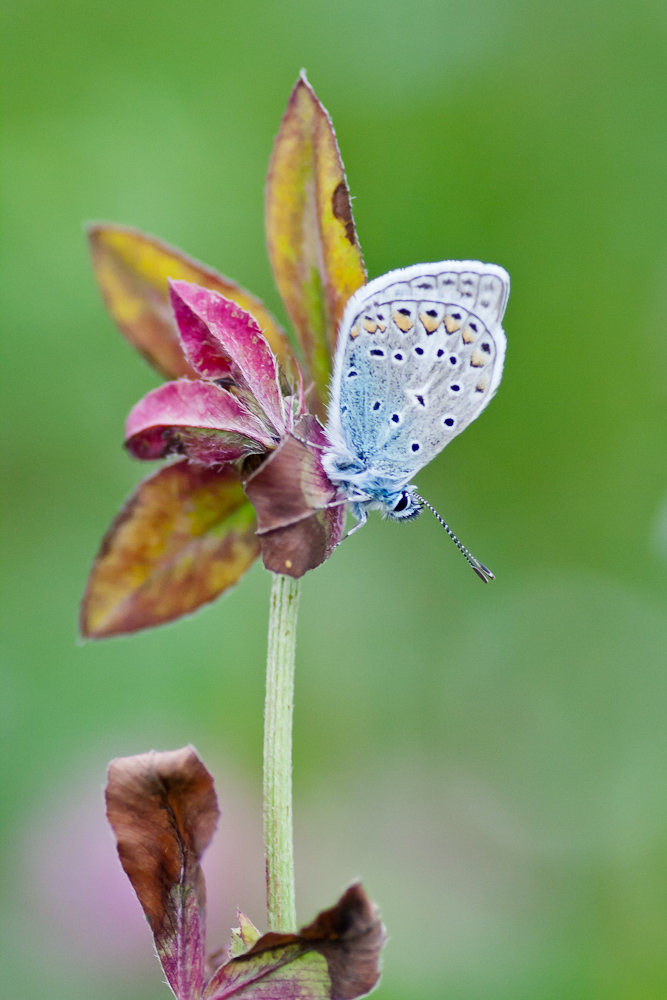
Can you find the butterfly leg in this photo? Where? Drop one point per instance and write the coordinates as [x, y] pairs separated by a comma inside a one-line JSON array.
[[309, 444], [361, 515]]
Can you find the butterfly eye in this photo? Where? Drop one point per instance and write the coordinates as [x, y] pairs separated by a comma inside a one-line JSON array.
[[403, 502]]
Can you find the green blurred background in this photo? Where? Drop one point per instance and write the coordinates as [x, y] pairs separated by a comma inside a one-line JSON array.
[[492, 761]]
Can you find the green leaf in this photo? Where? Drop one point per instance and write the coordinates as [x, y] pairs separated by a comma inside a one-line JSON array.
[[314, 252], [334, 958], [184, 537], [133, 269]]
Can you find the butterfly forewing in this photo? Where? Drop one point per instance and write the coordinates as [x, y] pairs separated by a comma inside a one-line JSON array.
[[420, 355]]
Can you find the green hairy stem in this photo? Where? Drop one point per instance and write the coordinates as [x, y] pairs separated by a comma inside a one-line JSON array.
[[278, 711]]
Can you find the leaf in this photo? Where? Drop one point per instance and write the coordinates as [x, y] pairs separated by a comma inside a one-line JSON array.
[[334, 958], [290, 492], [163, 811], [314, 252], [197, 418], [221, 339], [244, 936], [132, 270], [185, 536]]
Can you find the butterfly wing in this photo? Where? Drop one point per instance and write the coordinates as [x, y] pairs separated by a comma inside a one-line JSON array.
[[420, 354]]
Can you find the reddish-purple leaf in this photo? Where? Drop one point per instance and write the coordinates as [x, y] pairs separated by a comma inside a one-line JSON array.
[[184, 537], [334, 958], [132, 269], [292, 496], [197, 418], [163, 810], [222, 339]]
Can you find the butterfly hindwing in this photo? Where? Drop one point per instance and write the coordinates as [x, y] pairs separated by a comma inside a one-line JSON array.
[[420, 355]]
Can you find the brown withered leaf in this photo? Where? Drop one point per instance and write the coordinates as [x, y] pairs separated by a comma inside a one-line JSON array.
[[132, 269], [314, 252], [290, 492], [163, 811], [334, 958], [185, 536]]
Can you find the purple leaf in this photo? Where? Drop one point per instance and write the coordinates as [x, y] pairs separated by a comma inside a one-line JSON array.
[[196, 418], [219, 336], [291, 494]]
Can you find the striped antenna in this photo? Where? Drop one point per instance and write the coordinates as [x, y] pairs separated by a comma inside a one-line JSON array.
[[483, 572]]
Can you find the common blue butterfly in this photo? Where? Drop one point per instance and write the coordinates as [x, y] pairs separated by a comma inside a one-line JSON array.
[[420, 354]]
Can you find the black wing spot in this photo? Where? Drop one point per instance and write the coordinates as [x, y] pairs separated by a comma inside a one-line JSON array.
[[419, 350], [456, 315], [453, 360], [376, 404], [448, 421], [395, 417], [415, 446], [376, 353], [352, 373], [473, 326], [486, 348], [404, 312], [455, 388], [420, 400], [440, 353], [398, 357], [432, 313]]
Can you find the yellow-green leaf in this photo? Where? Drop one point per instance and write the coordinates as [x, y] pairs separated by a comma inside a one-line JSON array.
[[313, 247], [185, 536], [132, 269]]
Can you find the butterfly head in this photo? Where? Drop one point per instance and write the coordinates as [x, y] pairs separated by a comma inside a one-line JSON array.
[[403, 506]]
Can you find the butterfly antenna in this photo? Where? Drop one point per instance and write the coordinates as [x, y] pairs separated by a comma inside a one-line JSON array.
[[483, 572]]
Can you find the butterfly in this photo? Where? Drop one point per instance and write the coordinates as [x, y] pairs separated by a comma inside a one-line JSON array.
[[420, 354]]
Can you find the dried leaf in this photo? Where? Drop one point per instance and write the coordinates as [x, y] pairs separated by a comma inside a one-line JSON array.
[[290, 492], [185, 536], [313, 247], [196, 418], [221, 339], [132, 269], [163, 810], [334, 958]]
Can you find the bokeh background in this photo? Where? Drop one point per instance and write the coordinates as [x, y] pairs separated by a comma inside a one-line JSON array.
[[492, 761]]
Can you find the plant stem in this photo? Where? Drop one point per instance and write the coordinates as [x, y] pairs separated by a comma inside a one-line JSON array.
[[278, 710]]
